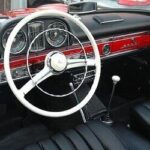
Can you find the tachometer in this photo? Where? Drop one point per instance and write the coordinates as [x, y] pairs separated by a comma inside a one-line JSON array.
[[56, 37], [19, 43]]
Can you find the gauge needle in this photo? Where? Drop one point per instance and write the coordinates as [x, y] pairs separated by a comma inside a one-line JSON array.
[[14, 40], [55, 34]]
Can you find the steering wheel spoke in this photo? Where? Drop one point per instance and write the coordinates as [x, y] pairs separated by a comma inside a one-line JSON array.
[[37, 79], [74, 63]]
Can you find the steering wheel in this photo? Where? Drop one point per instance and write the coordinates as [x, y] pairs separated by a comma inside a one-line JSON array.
[[54, 61]]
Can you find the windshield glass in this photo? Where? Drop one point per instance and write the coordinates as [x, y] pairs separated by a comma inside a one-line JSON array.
[[7, 5]]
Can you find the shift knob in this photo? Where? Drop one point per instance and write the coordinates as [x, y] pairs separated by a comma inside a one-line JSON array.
[[115, 79]]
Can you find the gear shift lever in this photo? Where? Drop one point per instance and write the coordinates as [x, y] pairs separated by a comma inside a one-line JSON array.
[[107, 118], [77, 100]]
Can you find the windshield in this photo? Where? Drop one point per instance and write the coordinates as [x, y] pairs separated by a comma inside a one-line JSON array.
[[7, 5]]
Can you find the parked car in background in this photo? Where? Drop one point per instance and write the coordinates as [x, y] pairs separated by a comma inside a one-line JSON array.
[[133, 4]]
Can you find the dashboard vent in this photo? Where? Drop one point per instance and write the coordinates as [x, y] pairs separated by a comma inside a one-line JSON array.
[[34, 29]]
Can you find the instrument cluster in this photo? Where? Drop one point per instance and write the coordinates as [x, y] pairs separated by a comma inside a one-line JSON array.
[[53, 36]]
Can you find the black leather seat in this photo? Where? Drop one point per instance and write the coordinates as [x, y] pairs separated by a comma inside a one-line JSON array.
[[140, 118], [93, 136]]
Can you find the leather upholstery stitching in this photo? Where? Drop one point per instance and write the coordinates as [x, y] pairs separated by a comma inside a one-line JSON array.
[[97, 138], [83, 139], [70, 140]]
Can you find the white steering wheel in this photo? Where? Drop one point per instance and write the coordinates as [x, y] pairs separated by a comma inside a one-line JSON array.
[[54, 61]]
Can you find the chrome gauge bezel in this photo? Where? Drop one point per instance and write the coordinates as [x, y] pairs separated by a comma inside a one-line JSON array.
[[26, 40], [65, 28]]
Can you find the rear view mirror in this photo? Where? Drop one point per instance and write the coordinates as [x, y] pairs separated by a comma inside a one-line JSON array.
[[82, 7]]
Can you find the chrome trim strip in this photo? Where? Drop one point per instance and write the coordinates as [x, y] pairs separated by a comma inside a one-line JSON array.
[[109, 39], [119, 53]]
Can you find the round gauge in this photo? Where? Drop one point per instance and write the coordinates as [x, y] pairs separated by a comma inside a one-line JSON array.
[[19, 43], [106, 49], [57, 36]]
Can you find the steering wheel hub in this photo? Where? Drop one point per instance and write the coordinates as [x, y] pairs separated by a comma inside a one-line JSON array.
[[58, 62]]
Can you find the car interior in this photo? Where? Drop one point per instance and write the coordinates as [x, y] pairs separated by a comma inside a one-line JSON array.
[[75, 81]]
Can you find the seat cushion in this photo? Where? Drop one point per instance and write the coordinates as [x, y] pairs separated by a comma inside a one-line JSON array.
[[140, 118], [130, 139], [91, 136]]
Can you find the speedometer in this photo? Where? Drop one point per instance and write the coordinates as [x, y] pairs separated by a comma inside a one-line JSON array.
[[57, 36], [19, 42]]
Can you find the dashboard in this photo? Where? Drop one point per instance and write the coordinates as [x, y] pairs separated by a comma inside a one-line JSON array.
[[115, 34]]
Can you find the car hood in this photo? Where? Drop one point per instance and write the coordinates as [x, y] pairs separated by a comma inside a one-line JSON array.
[[121, 4], [134, 2]]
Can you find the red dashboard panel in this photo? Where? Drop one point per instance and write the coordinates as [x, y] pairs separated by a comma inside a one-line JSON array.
[[108, 47]]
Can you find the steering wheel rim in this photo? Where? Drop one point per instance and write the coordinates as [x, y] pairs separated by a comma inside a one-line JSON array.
[[19, 95]]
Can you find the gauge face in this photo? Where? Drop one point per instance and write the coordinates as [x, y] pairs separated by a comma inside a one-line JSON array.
[[19, 43], [106, 49], [56, 37]]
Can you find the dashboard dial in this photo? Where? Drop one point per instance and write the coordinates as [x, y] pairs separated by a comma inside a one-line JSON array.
[[19, 43], [56, 37], [106, 49]]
